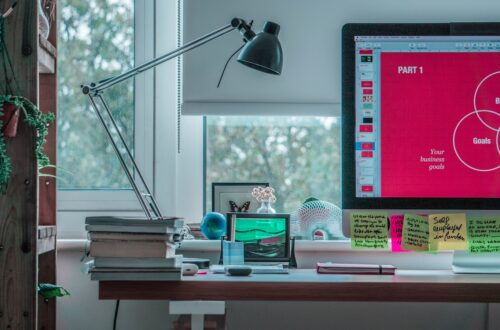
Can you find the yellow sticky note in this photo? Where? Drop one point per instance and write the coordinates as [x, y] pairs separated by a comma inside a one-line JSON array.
[[447, 231], [415, 233]]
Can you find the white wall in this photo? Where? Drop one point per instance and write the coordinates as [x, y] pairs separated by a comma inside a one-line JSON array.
[[311, 39], [311, 42]]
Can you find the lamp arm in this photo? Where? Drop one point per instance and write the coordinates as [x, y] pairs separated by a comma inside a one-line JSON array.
[[236, 23], [94, 90]]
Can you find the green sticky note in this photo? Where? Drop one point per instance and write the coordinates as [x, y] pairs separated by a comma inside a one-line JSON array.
[[415, 233], [483, 234], [369, 230]]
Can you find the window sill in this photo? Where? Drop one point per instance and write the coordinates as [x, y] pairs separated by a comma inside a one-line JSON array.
[[214, 246]]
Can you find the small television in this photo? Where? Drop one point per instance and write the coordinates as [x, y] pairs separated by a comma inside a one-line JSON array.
[[421, 116], [265, 237]]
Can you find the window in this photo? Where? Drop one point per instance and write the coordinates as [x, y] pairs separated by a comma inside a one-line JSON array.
[[298, 156], [96, 41]]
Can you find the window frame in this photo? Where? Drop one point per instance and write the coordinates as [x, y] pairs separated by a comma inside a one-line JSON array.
[[125, 199]]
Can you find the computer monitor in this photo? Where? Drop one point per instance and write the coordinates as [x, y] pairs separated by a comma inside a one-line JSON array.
[[421, 116], [266, 237]]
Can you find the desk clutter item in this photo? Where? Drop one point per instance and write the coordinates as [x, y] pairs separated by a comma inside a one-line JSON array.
[[189, 269], [213, 225], [233, 253], [238, 270], [200, 262], [256, 269], [133, 249], [361, 269], [266, 237], [264, 195], [426, 233], [316, 218]]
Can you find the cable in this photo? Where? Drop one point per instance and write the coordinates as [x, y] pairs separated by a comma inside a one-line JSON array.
[[227, 62], [116, 314]]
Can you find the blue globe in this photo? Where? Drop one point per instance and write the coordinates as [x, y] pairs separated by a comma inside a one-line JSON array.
[[213, 225]]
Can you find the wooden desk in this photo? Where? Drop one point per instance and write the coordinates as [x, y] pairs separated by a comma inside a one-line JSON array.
[[306, 285]]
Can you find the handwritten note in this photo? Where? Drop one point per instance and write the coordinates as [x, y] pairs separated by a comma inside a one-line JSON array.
[[483, 234], [447, 232], [396, 230], [369, 230], [415, 233]]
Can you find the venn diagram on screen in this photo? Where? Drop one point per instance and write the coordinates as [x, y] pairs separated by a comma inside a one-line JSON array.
[[476, 135]]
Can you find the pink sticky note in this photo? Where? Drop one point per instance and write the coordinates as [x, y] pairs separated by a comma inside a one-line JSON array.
[[396, 221]]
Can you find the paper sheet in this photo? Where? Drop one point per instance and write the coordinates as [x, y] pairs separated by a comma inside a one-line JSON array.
[[396, 230], [369, 230], [415, 232], [483, 234], [447, 232]]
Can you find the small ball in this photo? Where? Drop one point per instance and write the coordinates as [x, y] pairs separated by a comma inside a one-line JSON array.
[[213, 225]]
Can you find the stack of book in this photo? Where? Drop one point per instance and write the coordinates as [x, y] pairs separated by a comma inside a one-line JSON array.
[[133, 249]]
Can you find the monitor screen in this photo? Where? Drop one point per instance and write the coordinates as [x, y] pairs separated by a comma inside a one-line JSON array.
[[425, 118], [265, 236]]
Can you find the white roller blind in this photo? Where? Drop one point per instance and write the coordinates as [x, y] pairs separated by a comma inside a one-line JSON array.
[[311, 40], [261, 109]]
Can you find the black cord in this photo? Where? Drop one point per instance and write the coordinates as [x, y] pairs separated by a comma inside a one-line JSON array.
[[116, 314], [227, 62]]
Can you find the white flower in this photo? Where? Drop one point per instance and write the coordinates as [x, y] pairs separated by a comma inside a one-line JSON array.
[[264, 194]]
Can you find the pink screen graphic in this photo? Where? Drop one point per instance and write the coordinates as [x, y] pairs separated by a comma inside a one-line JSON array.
[[440, 119]]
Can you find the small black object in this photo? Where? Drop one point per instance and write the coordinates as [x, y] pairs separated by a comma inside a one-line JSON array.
[[200, 262], [238, 270], [115, 317], [293, 262], [221, 256]]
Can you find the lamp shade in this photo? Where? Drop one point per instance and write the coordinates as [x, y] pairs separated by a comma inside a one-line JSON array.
[[263, 52]]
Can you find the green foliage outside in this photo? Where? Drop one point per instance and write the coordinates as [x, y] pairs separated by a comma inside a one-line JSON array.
[[298, 156], [96, 41]]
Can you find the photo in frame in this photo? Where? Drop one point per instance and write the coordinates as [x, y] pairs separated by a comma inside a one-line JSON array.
[[235, 196]]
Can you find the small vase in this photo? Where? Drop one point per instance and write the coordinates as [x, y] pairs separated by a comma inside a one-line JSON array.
[[43, 21], [266, 207], [9, 120]]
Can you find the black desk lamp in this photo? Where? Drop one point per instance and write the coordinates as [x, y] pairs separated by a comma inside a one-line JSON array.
[[261, 52]]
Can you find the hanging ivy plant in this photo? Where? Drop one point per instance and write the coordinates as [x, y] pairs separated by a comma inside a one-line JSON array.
[[36, 120], [32, 115]]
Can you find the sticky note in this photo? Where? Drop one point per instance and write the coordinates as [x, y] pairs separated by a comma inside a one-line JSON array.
[[447, 232], [396, 230], [483, 234], [369, 230], [415, 233]]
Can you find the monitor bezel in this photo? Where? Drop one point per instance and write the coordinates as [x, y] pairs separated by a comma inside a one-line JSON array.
[[349, 31]]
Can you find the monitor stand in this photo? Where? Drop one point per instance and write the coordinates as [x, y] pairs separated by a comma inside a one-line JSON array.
[[485, 263]]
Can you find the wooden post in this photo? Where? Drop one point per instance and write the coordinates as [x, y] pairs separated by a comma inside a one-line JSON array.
[[18, 207], [47, 185]]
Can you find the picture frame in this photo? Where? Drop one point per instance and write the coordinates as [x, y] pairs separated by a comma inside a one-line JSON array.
[[238, 192], [255, 249]]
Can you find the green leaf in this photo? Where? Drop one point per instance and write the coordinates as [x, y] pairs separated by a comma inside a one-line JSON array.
[[47, 290]]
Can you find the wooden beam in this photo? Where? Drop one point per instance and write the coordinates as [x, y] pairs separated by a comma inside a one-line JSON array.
[[18, 207]]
